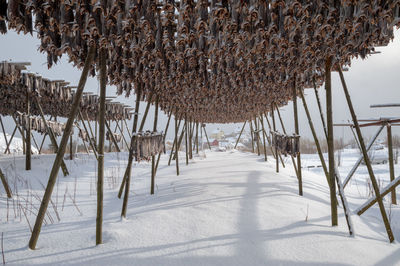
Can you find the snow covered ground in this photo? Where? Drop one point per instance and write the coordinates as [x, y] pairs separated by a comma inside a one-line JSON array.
[[229, 208], [16, 146]]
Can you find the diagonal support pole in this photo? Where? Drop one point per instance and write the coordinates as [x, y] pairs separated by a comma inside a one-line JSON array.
[[366, 159], [61, 150]]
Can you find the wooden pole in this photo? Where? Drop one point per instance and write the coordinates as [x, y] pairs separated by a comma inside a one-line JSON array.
[[252, 136], [93, 137], [20, 132], [28, 154], [61, 150], [391, 162], [93, 145], [240, 134], [186, 143], [331, 151], [51, 135], [165, 135], [127, 176], [145, 112], [177, 146], [71, 155], [127, 129], [257, 135], [197, 138], [34, 141], [205, 133], [121, 130], [5, 184], [153, 158], [296, 129], [320, 109], [112, 135], [175, 143], [274, 128], [4, 132], [366, 159], [284, 132], [263, 130], [100, 161], [9, 143]]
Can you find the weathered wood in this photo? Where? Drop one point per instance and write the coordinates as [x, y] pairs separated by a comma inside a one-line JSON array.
[[276, 149], [391, 162], [153, 158], [51, 135], [93, 145], [5, 184], [205, 133], [28, 144], [240, 134], [371, 201], [366, 160], [186, 143], [146, 111], [71, 154], [360, 159], [197, 138], [4, 133], [257, 135], [331, 151], [177, 146], [284, 132], [296, 130], [102, 135], [20, 132], [321, 113], [263, 134], [252, 136], [61, 150], [92, 136], [10, 141], [174, 144], [165, 135], [114, 141]]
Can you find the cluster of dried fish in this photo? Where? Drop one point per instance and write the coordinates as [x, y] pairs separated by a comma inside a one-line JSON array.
[[215, 61], [55, 97], [117, 137], [147, 144], [37, 124], [286, 144]]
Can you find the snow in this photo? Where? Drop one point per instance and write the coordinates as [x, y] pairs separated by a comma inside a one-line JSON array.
[[225, 208], [16, 146]]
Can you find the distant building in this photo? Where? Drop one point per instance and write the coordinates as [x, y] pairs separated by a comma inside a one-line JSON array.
[[217, 134]]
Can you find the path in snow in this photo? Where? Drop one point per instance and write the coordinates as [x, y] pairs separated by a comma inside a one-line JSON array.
[[228, 209]]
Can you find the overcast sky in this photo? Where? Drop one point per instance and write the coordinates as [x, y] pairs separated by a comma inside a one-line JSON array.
[[371, 81]]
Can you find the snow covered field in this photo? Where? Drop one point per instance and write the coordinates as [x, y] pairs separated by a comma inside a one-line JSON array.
[[229, 208]]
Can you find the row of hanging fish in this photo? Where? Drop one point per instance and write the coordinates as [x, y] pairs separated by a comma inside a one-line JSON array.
[[146, 144], [38, 125], [214, 61], [286, 144], [55, 97], [117, 137]]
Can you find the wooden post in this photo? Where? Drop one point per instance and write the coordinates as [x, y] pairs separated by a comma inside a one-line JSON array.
[[284, 132], [153, 158], [93, 145], [177, 146], [20, 132], [175, 143], [112, 135], [92, 136], [28, 154], [296, 129], [4, 132], [5, 184], [252, 136], [205, 133], [197, 138], [146, 112], [165, 135], [100, 161], [366, 159], [263, 131], [51, 135], [9, 143], [274, 128], [391, 162], [186, 143], [320, 110], [314, 134], [240, 134], [61, 150], [331, 151], [71, 155], [257, 135]]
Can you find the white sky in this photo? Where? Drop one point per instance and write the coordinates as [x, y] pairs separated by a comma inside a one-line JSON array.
[[371, 81]]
